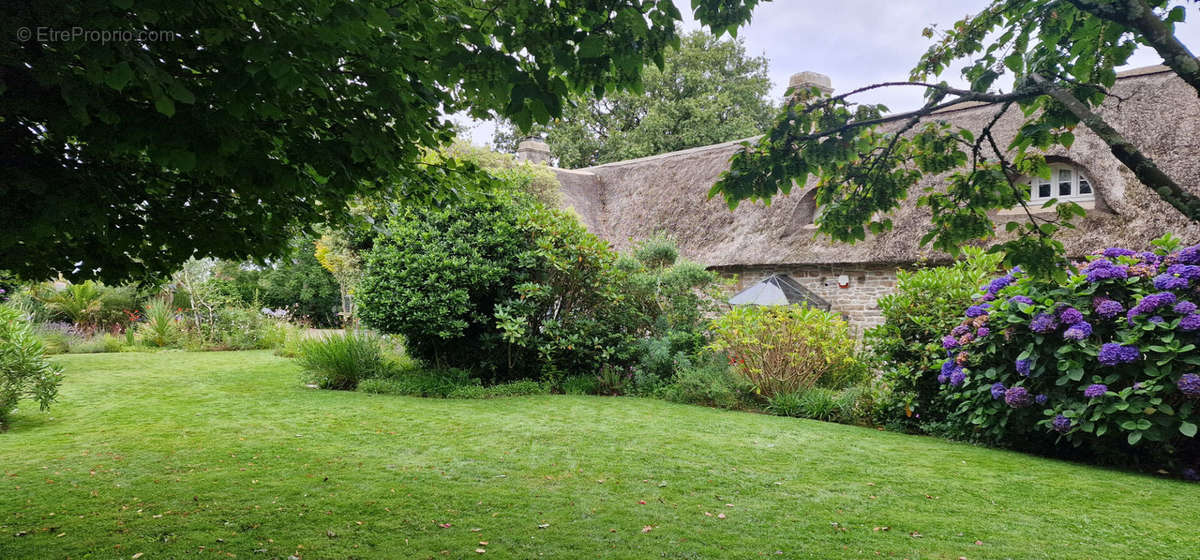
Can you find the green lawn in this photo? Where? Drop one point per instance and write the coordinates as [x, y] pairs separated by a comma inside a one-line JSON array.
[[221, 454]]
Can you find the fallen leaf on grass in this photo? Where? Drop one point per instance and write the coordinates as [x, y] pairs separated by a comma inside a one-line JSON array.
[[480, 550], [978, 543], [647, 528], [483, 543], [720, 516], [643, 502], [915, 535], [136, 556], [543, 525], [445, 525]]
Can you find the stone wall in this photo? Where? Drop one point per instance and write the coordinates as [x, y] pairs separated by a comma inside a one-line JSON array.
[[856, 302]]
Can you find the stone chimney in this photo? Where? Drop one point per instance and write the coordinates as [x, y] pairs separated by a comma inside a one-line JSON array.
[[809, 80], [533, 150]]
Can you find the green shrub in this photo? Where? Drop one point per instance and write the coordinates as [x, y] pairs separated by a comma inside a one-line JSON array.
[[99, 343], [783, 349], [579, 385], [926, 304], [77, 303], [161, 328], [341, 361], [512, 389], [856, 404], [500, 285], [422, 383], [709, 383], [24, 370]]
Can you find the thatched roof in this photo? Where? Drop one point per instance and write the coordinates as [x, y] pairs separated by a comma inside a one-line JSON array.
[[628, 201]]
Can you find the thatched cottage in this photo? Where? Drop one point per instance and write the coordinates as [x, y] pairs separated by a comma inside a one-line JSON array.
[[628, 201]]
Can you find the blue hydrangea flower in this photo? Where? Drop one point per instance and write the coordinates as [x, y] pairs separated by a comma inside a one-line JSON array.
[[1020, 299], [1114, 252], [1189, 385], [1150, 304], [987, 297], [957, 378], [1188, 271], [1041, 399], [1188, 255], [1108, 308], [948, 366], [1023, 367], [1043, 323], [982, 332], [1069, 315], [949, 342], [1112, 354], [1170, 282], [999, 283], [1078, 331], [977, 310], [1104, 269], [1184, 307], [997, 390], [1095, 390], [959, 331], [942, 378], [1017, 397], [1156, 319], [1190, 322], [1061, 424]]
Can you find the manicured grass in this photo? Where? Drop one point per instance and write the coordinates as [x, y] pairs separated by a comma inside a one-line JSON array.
[[221, 454]]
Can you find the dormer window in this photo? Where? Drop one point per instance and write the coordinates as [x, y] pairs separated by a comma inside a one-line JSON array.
[[1066, 182]]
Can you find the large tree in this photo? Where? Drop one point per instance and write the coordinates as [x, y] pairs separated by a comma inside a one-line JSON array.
[[1061, 57], [708, 91], [136, 135]]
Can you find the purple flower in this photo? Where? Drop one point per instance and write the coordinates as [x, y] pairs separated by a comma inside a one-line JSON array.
[[959, 331], [1114, 252], [1188, 255], [1184, 307], [1112, 354], [987, 297], [1061, 424], [1151, 303], [942, 378], [948, 366], [957, 378], [1041, 399], [1069, 315], [1104, 269], [949, 342], [1137, 386], [1078, 331], [1017, 397], [1169, 282], [1189, 385], [1156, 319], [1023, 367], [1190, 322], [977, 310], [997, 390], [1107, 308], [1190, 474], [1043, 323], [1020, 299], [999, 283], [1095, 390], [982, 332], [1187, 271]]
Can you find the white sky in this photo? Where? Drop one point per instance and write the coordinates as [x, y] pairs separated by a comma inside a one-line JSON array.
[[860, 42]]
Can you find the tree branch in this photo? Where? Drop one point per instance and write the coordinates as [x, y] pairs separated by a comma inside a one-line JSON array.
[[1138, 16]]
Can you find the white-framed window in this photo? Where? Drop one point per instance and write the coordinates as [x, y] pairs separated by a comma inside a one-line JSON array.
[[1066, 182]]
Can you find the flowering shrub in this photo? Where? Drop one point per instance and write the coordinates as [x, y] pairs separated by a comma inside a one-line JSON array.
[[1106, 357]]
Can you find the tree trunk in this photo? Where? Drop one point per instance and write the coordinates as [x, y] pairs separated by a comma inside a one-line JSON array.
[[1137, 15]]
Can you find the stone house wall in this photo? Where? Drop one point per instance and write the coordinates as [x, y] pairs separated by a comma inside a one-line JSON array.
[[857, 302]]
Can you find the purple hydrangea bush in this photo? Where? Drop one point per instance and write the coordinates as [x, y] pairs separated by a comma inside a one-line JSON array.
[[1107, 356]]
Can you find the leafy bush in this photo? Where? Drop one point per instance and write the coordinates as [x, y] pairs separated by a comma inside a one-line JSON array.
[[820, 403], [786, 404], [421, 383], [99, 343], [782, 349], [1104, 357], [709, 383], [77, 303], [513, 389], [501, 285], [341, 361], [24, 370], [925, 305]]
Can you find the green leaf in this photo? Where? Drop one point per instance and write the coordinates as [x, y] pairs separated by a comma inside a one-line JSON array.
[[1188, 429], [119, 76], [165, 106], [592, 47], [1134, 437], [181, 93]]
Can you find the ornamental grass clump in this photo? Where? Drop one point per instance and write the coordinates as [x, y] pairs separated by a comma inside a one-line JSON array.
[[1105, 358]]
